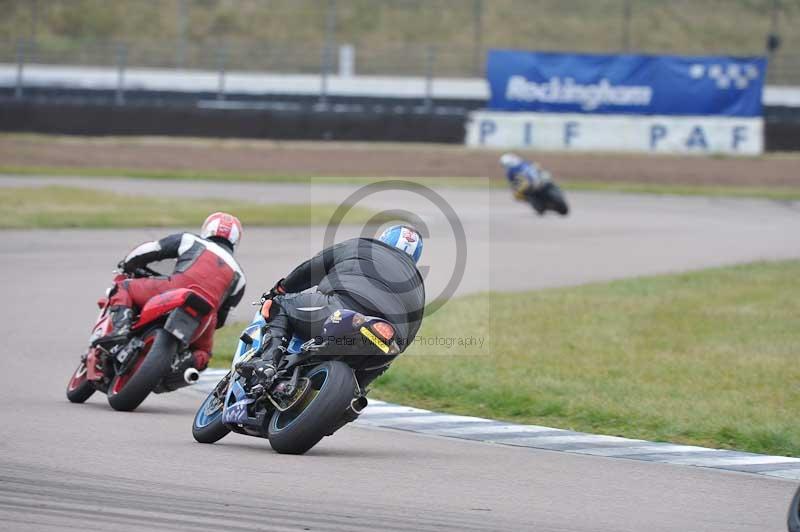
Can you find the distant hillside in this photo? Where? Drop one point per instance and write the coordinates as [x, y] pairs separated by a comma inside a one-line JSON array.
[[390, 36]]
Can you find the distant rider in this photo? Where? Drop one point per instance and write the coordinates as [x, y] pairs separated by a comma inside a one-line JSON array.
[[204, 263], [377, 277], [526, 179]]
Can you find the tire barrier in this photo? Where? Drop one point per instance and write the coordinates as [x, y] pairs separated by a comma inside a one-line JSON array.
[[352, 119], [397, 123]]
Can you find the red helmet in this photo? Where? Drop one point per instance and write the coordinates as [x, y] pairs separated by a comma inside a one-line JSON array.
[[222, 225]]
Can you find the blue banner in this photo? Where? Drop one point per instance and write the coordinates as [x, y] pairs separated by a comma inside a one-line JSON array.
[[625, 84]]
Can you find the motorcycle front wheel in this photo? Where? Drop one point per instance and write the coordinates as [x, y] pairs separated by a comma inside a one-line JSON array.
[[556, 201], [79, 389], [297, 430], [207, 426], [794, 513], [127, 391]]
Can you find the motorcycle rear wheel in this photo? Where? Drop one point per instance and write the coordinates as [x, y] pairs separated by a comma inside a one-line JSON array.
[[794, 513], [79, 389], [556, 201], [302, 427], [207, 426], [126, 392]]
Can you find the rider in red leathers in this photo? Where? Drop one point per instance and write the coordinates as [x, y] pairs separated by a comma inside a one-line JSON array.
[[205, 263]]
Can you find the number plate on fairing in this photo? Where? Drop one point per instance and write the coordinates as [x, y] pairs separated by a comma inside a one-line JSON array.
[[237, 401]]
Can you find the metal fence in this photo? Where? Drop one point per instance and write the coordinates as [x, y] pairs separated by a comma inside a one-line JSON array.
[[441, 38]]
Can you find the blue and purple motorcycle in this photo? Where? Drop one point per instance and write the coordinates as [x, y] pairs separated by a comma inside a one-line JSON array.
[[533, 184], [318, 384]]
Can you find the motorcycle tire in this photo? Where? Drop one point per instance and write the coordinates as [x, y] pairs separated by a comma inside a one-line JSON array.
[[79, 389], [538, 204], [207, 426], [794, 513], [126, 392], [301, 428], [556, 201]]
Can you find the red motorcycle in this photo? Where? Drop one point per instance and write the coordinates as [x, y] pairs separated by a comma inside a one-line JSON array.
[[155, 357]]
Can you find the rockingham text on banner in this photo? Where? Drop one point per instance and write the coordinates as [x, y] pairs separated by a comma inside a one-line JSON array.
[[626, 102]]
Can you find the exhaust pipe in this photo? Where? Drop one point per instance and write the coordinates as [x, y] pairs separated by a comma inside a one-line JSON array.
[[358, 404], [191, 376]]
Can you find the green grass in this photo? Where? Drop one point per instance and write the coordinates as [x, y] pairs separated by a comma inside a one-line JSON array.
[[707, 358], [193, 175], [774, 193], [68, 207], [390, 37]]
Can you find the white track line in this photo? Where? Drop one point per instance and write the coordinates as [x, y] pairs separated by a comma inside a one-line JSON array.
[[499, 429], [388, 415], [591, 444], [735, 460], [645, 449]]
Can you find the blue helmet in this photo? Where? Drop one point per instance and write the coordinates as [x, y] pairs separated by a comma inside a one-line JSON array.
[[404, 238]]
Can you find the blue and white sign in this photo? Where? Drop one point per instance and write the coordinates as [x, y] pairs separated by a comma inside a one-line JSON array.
[[625, 84]]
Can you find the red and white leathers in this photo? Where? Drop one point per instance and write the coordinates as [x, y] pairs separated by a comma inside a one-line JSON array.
[[204, 265]]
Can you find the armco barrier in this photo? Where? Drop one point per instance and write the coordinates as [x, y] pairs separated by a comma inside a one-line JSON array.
[[306, 123], [781, 124]]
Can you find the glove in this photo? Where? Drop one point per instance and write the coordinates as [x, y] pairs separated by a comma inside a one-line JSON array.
[[278, 288], [123, 266], [274, 291]]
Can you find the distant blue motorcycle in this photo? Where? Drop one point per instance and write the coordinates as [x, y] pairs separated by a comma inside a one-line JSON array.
[[318, 385], [533, 184]]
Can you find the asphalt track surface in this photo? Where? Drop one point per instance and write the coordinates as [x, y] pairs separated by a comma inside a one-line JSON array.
[[65, 466]]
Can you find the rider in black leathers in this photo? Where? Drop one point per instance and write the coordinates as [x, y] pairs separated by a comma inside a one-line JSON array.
[[377, 277]]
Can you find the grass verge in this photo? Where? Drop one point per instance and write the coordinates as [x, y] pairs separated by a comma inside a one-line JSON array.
[[68, 207], [706, 358], [774, 193], [193, 175]]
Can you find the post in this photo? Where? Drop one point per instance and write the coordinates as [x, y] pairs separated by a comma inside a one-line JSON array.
[[773, 22], [323, 77], [222, 58], [773, 40], [180, 49], [327, 52], [477, 36], [122, 57], [34, 22], [19, 89], [626, 24], [347, 60], [430, 60]]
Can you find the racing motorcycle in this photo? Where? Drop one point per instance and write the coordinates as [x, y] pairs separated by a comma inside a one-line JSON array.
[[794, 513], [156, 355], [535, 185], [548, 197], [317, 386]]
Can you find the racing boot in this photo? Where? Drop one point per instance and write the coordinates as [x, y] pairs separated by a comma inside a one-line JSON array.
[[265, 365], [121, 322]]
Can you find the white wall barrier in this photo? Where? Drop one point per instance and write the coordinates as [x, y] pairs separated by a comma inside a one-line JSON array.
[[619, 133]]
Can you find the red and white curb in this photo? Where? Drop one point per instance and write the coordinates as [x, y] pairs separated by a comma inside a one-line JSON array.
[[392, 416]]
